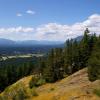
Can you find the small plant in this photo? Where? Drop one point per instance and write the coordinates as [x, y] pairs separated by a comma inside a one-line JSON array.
[[52, 89], [34, 93], [40, 82], [21, 95], [36, 81], [97, 92], [32, 83]]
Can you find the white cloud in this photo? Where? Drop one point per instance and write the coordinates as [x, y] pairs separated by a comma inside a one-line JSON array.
[[16, 30], [52, 31], [19, 14], [17, 33], [30, 12]]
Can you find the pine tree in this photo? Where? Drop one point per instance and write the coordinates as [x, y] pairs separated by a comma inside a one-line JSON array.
[[94, 62], [48, 72], [68, 58], [84, 50], [75, 53]]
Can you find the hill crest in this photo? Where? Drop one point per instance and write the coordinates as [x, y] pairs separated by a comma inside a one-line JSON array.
[[74, 87]]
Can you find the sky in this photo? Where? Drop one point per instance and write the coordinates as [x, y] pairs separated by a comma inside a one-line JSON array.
[[54, 20]]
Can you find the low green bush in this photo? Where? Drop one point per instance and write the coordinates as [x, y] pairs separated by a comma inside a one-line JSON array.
[[97, 92], [34, 93], [52, 89], [21, 95], [40, 82], [36, 81]]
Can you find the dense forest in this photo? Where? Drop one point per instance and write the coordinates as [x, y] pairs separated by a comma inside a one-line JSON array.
[[59, 62], [73, 57]]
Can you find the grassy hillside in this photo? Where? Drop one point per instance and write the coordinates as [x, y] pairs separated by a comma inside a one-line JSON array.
[[74, 87]]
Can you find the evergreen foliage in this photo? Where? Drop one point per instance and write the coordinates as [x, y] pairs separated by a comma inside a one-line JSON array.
[[94, 62], [11, 72], [73, 57]]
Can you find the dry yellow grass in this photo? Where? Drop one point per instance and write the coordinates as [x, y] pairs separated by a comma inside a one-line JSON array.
[[11, 91], [74, 87]]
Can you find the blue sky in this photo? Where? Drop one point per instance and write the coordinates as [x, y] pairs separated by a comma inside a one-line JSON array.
[[36, 14]]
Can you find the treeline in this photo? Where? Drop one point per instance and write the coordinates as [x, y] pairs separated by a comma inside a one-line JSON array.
[[74, 56]]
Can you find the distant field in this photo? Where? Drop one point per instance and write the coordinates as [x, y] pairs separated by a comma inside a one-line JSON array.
[[22, 56]]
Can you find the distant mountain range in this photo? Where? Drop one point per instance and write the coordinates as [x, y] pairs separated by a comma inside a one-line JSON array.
[[79, 38], [4, 42], [8, 42], [42, 42]]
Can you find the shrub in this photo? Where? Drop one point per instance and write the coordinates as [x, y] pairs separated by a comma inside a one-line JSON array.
[[32, 83], [36, 81], [40, 82], [34, 93], [97, 92], [52, 89], [21, 95]]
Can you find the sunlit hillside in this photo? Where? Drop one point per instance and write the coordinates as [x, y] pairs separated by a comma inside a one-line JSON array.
[[74, 87]]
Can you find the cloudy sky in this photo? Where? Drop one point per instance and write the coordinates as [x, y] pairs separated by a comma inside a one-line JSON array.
[[54, 20]]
